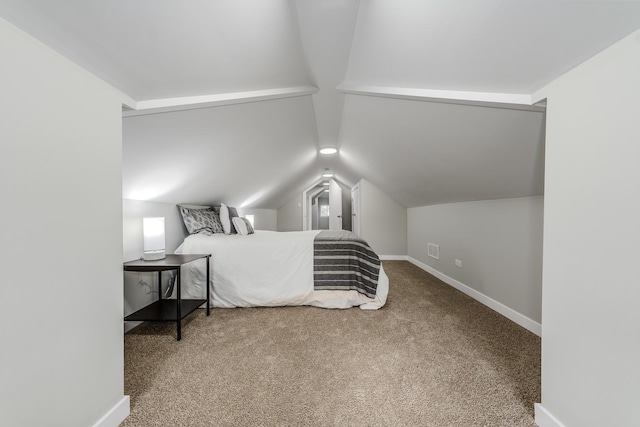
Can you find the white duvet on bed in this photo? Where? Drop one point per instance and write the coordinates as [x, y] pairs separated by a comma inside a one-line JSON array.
[[267, 268]]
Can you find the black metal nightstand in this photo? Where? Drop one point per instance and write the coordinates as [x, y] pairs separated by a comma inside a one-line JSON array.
[[168, 310]]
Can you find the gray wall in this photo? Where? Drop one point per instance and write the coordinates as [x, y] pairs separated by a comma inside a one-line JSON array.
[[383, 222], [61, 362], [590, 287], [498, 241], [264, 219], [290, 215]]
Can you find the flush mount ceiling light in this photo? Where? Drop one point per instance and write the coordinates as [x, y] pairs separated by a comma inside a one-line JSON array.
[[328, 150], [326, 191], [327, 173], [325, 183]]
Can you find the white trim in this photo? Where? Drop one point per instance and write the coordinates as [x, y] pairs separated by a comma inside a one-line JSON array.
[[306, 217], [129, 325], [306, 214], [116, 415], [544, 418], [393, 257], [128, 102], [515, 101], [509, 313], [153, 106], [355, 209]]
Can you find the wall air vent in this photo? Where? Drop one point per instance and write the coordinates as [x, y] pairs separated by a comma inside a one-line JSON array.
[[433, 250]]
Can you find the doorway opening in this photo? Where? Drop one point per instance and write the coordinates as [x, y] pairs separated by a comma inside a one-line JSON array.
[[324, 206]]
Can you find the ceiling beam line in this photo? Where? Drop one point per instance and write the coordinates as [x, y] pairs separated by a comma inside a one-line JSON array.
[[510, 101], [155, 106]]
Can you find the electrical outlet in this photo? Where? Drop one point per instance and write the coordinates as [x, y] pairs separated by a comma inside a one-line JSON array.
[[458, 263]]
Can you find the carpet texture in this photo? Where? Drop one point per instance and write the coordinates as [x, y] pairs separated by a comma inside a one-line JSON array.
[[431, 357]]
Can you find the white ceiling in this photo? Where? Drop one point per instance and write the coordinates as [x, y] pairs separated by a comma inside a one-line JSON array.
[[504, 46], [153, 49], [261, 154], [222, 154], [453, 152]]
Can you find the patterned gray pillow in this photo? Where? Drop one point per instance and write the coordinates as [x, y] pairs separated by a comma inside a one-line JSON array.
[[204, 221]]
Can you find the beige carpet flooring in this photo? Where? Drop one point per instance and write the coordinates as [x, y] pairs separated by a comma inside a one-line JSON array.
[[431, 357]]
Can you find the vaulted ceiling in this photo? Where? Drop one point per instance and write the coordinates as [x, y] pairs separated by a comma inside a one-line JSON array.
[[430, 100]]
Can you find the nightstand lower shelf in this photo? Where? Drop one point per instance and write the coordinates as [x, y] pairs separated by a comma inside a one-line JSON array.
[[169, 310], [166, 310]]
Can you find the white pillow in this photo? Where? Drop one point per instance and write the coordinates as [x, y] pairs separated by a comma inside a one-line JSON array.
[[243, 226], [224, 219]]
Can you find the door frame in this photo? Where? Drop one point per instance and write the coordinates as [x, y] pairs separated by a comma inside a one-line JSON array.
[[307, 195], [355, 209]]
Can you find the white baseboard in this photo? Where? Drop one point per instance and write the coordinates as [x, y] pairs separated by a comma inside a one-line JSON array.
[[116, 415], [544, 418], [130, 325], [514, 316], [393, 257]]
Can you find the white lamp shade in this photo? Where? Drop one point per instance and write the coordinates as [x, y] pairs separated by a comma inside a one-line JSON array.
[[153, 234]]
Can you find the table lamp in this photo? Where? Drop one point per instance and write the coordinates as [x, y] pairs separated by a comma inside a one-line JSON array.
[[153, 233]]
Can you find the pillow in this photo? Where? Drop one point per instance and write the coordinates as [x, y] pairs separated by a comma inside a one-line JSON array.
[[224, 219], [243, 226], [226, 216], [204, 221], [233, 213]]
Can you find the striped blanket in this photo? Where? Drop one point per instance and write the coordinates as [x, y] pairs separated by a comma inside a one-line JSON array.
[[343, 261]]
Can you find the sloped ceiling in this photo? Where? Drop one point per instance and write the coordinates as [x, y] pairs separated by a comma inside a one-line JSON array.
[[420, 111], [501, 46], [230, 153], [453, 152], [153, 49]]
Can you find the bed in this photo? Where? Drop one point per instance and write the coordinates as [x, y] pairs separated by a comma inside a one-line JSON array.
[[268, 268]]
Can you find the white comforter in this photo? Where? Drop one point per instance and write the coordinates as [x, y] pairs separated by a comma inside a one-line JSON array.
[[267, 268]]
